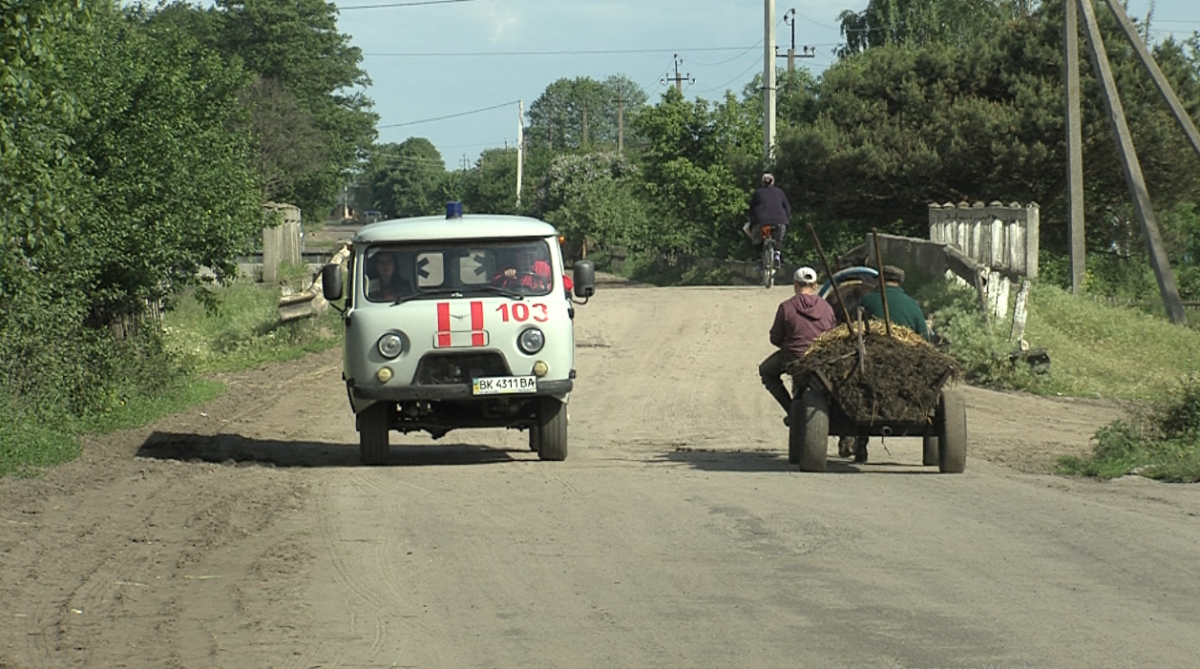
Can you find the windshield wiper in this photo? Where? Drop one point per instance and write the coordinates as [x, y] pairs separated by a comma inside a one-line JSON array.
[[428, 293], [458, 292], [507, 292]]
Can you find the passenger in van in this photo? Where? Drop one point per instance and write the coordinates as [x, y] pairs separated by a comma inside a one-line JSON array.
[[387, 285]]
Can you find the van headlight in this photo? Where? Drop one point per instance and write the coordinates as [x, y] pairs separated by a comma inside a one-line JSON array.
[[531, 341], [391, 345]]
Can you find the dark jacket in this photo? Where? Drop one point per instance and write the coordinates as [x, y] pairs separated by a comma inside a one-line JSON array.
[[799, 321], [769, 204], [903, 309]]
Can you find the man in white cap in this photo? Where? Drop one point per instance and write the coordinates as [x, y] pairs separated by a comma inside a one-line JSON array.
[[798, 321]]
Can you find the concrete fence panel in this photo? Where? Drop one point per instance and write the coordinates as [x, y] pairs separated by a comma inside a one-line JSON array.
[[1001, 238], [281, 238]]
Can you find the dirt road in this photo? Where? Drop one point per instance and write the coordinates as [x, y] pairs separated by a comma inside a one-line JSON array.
[[242, 533]]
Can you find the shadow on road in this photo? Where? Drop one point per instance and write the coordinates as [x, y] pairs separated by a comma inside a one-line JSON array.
[[770, 461], [224, 448]]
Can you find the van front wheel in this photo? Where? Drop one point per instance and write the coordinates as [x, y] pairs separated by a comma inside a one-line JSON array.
[[550, 434], [373, 434]]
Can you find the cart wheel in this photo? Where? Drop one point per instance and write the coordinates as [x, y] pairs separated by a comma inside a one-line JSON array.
[[796, 425], [929, 452], [951, 420], [816, 431]]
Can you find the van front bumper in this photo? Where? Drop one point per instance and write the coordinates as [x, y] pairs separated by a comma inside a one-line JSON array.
[[456, 391]]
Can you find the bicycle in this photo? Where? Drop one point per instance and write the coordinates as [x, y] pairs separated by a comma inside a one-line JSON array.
[[768, 256]]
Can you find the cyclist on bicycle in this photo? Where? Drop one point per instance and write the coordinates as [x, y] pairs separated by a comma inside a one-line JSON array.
[[769, 206]]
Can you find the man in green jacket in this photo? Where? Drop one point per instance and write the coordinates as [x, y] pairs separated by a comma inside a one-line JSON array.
[[903, 309]]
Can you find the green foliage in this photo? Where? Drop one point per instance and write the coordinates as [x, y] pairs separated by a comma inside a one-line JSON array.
[[287, 145], [244, 331], [690, 188], [407, 179], [491, 186], [593, 196], [917, 23], [172, 188], [296, 46], [910, 122], [1108, 351], [980, 349], [1161, 441], [27, 445], [660, 270], [558, 117], [1096, 349]]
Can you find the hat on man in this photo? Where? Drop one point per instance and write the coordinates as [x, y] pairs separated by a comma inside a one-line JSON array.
[[805, 276], [893, 273]]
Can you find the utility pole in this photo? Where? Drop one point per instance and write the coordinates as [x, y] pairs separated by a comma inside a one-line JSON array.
[[768, 80], [1074, 148], [680, 79], [620, 120], [1160, 81], [789, 17], [1132, 168], [520, 146]]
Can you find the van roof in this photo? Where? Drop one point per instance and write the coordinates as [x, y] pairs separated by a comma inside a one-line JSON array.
[[469, 226]]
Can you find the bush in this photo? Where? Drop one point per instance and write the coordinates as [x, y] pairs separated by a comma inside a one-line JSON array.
[[1161, 441], [960, 323]]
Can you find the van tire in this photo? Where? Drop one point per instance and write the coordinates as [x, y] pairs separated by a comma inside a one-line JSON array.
[[373, 430], [551, 430]]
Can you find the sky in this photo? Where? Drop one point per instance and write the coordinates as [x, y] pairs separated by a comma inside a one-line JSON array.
[[467, 63]]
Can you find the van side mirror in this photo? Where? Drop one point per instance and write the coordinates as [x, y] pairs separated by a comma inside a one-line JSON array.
[[585, 278], [331, 282]]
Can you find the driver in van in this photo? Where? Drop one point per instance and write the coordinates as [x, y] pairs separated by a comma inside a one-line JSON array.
[[528, 271]]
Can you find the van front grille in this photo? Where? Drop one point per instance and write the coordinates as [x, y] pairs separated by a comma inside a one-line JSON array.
[[449, 368]]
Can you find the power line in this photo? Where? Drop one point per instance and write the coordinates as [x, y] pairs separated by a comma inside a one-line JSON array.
[[402, 4], [442, 118], [587, 52], [746, 51], [724, 85]]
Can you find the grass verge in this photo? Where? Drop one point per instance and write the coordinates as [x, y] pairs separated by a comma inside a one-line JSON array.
[[1096, 350], [1161, 441], [239, 330]]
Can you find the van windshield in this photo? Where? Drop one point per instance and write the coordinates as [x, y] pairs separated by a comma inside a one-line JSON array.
[[409, 271]]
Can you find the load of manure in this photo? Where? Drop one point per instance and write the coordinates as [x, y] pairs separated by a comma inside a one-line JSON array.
[[894, 379]]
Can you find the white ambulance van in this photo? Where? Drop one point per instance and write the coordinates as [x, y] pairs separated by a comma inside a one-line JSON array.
[[459, 322]]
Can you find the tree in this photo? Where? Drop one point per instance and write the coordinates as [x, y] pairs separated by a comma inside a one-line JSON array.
[[689, 185], [594, 196], [297, 45], [557, 117], [491, 185], [123, 173], [407, 179], [898, 128], [287, 144], [917, 23], [41, 307], [172, 185]]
